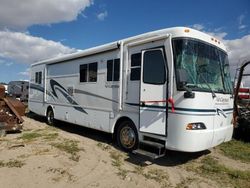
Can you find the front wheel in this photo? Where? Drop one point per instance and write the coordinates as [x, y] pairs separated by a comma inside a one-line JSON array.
[[50, 117], [127, 137]]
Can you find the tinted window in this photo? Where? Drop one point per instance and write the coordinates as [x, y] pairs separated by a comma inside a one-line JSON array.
[[83, 73], [109, 70], [154, 67], [116, 70], [38, 77], [92, 72], [113, 70], [135, 73]]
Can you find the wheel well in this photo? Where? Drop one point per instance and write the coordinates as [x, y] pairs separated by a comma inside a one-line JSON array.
[[118, 122], [49, 108]]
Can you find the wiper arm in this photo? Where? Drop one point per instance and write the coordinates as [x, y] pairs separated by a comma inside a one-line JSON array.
[[205, 81]]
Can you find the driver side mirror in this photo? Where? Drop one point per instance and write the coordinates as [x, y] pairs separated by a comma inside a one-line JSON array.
[[182, 77]]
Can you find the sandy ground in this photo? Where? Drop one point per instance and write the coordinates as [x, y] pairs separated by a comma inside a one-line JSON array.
[[44, 161]]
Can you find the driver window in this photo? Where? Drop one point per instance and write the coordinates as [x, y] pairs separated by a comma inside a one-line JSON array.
[[154, 67]]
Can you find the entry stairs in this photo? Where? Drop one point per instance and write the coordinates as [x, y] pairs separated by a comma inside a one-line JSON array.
[[153, 148]]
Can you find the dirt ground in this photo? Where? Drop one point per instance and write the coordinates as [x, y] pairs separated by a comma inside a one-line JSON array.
[[71, 156]]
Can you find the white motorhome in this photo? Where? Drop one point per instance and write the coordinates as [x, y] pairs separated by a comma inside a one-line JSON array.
[[169, 88]]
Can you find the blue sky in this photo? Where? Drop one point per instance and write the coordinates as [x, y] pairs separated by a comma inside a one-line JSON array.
[[43, 30]]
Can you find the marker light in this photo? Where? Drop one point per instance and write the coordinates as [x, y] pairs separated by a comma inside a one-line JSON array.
[[186, 30], [195, 126]]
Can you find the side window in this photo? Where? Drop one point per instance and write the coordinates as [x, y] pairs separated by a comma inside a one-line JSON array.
[[154, 67], [83, 73], [113, 70], [135, 67], [88, 72], [92, 72], [38, 77]]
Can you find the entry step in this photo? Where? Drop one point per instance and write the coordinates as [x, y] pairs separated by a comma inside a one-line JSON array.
[[148, 154], [153, 144]]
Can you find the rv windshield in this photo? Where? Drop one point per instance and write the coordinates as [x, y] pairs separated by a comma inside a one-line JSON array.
[[206, 66]]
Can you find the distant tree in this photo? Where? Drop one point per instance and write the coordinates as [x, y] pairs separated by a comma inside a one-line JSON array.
[[3, 83]]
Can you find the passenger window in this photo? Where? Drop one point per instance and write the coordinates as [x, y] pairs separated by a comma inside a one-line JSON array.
[[154, 67], [83, 73], [109, 70], [88, 72], [92, 72], [113, 70], [38, 77], [135, 73]]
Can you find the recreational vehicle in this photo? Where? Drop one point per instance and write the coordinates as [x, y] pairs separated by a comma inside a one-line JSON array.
[[168, 89], [19, 89]]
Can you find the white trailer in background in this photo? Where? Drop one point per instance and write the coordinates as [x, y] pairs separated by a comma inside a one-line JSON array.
[[169, 88]]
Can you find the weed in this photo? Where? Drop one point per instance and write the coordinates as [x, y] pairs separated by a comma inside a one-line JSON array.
[[138, 169], [104, 147], [156, 174], [70, 147], [60, 174], [123, 173], [12, 164], [185, 182], [30, 136], [211, 168], [116, 159], [236, 150], [50, 136]]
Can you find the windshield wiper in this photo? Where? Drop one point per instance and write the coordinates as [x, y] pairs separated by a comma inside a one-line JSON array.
[[204, 80]]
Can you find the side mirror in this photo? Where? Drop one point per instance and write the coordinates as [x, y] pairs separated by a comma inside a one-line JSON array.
[[182, 77]]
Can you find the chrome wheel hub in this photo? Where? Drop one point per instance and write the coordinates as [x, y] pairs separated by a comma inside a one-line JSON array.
[[128, 137]]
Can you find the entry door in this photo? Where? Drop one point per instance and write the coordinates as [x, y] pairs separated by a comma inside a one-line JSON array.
[[153, 92]]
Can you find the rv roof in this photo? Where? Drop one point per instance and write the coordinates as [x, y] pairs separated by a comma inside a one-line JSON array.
[[174, 32]]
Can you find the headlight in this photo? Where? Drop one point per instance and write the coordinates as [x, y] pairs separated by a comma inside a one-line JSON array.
[[195, 126]]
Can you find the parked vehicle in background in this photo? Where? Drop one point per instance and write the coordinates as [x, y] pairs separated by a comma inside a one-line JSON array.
[[19, 89], [169, 88], [242, 104]]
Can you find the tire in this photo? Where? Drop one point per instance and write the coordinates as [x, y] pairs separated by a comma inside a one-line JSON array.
[[50, 117], [127, 136]]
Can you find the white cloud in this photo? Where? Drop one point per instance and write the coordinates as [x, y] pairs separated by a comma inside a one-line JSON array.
[[5, 62], [240, 22], [18, 14], [238, 50], [198, 27], [25, 48], [25, 73], [102, 15]]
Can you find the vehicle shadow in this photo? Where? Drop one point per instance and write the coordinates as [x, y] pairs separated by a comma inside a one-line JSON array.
[[172, 158], [76, 129]]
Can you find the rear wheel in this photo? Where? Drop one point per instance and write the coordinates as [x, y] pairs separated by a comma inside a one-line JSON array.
[[127, 137], [50, 117]]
